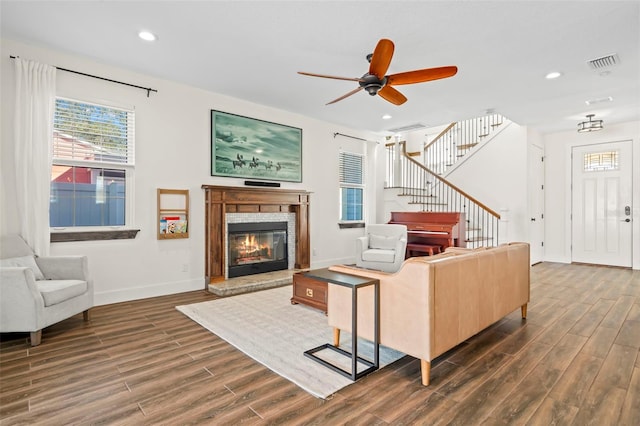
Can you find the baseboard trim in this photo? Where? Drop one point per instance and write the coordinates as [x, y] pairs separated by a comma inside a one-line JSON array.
[[136, 293]]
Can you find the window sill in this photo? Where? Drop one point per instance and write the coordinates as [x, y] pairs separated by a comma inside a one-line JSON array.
[[351, 225], [120, 234]]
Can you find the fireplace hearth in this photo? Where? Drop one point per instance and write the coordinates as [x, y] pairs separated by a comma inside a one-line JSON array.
[[256, 248]]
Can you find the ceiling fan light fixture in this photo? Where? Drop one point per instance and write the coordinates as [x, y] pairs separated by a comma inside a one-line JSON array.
[[373, 89], [590, 125]]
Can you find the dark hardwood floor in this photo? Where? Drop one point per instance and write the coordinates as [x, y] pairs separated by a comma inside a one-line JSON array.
[[574, 361]]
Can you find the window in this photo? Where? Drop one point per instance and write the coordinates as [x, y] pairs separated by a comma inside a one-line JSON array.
[[601, 161], [93, 160], [351, 187]]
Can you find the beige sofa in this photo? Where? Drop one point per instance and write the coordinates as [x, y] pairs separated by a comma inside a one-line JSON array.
[[434, 303]]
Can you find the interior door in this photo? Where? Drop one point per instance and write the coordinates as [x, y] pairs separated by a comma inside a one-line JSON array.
[[536, 203], [601, 204]]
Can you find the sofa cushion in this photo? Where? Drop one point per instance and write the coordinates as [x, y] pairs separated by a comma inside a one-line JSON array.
[[382, 242], [57, 291], [24, 262], [379, 255]]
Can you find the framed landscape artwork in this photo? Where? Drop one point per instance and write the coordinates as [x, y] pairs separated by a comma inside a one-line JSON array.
[[245, 147]]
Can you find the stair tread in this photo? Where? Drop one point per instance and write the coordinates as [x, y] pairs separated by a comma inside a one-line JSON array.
[[467, 145], [476, 239], [431, 204]]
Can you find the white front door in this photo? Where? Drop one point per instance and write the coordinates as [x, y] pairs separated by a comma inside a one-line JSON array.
[[601, 204], [536, 203]]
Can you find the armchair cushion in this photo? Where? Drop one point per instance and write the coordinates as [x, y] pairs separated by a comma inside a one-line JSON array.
[[382, 242], [28, 261], [379, 255], [57, 291]]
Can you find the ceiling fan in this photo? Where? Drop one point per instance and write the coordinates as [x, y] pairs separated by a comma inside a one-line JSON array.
[[375, 82]]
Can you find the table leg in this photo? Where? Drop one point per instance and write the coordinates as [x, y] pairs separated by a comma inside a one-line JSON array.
[[354, 333]]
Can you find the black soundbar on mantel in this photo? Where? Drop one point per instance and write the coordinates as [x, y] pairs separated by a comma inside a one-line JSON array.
[[261, 183]]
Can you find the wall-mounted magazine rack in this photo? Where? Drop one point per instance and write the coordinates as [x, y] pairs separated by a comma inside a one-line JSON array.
[[173, 213]]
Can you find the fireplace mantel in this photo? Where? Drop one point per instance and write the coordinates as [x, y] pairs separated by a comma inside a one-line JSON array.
[[220, 200]]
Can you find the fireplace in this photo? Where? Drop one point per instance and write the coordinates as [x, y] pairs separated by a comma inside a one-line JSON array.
[[257, 247], [221, 201]]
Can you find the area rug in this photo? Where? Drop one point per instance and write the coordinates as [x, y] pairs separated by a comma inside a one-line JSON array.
[[268, 328]]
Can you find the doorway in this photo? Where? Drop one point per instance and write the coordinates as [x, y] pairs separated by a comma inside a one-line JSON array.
[[536, 203], [601, 231]]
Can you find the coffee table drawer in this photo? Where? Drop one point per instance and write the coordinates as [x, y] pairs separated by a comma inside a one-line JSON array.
[[309, 291]]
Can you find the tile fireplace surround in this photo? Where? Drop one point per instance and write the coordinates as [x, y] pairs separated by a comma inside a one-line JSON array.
[[220, 200]]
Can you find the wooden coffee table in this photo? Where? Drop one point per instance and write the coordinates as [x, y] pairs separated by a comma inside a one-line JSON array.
[[309, 291]]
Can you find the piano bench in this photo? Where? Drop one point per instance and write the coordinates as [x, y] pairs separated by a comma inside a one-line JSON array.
[[427, 249]]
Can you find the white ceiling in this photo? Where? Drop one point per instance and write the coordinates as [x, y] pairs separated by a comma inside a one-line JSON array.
[[252, 50]]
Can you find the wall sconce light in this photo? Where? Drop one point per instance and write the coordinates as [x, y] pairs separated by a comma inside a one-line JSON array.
[[591, 125]]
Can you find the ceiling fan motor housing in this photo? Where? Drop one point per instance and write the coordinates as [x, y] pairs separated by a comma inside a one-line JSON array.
[[372, 84]]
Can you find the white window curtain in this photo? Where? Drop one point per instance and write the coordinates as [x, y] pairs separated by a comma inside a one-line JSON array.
[[33, 138]]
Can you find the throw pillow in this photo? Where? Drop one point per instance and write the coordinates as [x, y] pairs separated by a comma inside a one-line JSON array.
[[382, 242], [26, 262]]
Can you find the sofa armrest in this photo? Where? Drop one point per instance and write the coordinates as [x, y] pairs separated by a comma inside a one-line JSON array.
[[64, 267], [405, 307], [20, 301]]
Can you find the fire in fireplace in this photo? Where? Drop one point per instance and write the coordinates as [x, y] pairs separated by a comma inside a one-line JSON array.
[[258, 247]]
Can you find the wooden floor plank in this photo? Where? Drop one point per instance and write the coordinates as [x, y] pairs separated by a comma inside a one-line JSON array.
[[552, 412], [500, 386], [631, 406], [572, 387], [574, 361]]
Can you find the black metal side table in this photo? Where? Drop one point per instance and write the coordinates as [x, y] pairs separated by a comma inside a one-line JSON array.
[[354, 283]]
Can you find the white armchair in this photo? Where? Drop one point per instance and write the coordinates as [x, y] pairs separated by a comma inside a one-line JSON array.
[[383, 247], [36, 292]]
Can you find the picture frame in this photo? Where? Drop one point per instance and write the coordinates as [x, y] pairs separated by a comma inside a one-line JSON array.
[[244, 147]]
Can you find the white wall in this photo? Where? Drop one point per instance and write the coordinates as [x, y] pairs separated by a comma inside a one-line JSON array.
[[496, 175], [558, 185], [173, 151]]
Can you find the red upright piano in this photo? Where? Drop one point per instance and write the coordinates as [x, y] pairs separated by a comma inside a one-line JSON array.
[[432, 229]]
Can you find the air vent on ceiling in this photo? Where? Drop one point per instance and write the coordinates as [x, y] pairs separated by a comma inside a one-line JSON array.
[[408, 128], [599, 101], [604, 62]]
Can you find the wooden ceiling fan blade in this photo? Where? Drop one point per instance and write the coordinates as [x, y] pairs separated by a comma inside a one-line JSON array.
[[353, 92], [420, 76], [392, 95], [329, 76], [381, 58]]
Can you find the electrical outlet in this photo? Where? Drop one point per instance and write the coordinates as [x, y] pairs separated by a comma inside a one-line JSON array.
[[315, 252], [185, 267]]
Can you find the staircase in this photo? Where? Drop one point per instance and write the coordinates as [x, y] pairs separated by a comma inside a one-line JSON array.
[[458, 140], [422, 187]]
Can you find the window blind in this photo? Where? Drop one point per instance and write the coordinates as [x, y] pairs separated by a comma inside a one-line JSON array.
[[351, 168], [91, 132]]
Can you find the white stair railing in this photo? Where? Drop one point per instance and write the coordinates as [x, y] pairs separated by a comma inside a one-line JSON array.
[[458, 139]]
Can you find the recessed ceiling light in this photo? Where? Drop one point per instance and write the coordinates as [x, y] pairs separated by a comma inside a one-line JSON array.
[[147, 36], [552, 75], [386, 117]]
